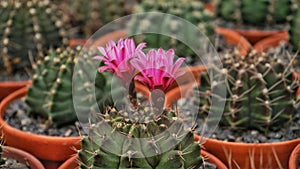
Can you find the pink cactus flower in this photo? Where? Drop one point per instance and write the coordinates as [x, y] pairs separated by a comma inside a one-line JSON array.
[[157, 68], [116, 58]]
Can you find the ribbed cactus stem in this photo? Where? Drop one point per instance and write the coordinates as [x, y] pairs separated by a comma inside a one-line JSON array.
[[261, 91], [28, 28], [119, 142]]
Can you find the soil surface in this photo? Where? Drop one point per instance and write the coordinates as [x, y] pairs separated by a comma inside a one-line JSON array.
[[13, 164], [275, 134], [16, 77], [17, 116]]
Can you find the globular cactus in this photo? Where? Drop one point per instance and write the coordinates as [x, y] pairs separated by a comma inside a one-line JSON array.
[[50, 95], [255, 12], [89, 16], [115, 142], [191, 11], [28, 26], [261, 91]]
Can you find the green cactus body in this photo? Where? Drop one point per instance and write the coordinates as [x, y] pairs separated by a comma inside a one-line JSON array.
[[260, 91], [129, 153], [28, 26], [90, 15], [50, 95], [255, 12], [294, 30], [192, 11]]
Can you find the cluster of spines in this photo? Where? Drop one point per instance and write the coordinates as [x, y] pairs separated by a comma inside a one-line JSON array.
[[261, 91], [28, 27], [51, 93], [111, 143]]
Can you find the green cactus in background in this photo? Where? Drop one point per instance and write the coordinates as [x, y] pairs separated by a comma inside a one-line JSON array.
[[192, 11], [28, 26], [294, 30], [116, 132], [89, 16], [50, 95], [255, 12], [261, 91]]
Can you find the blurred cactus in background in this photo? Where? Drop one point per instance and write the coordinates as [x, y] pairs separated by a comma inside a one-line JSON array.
[[30, 26], [190, 10]]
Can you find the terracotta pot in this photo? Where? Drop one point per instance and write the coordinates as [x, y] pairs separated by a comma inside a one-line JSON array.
[[8, 87], [76, 42], [102, 41], [254, 36], [251, 155], [50, 148], [271, 41], [294, 161], [209, 7], [22, 157], [74, 162], [234, 38]]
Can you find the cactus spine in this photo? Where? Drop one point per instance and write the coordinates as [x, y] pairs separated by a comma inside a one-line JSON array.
[[50, 95], [95, 150], [28, 26], [260, 91]]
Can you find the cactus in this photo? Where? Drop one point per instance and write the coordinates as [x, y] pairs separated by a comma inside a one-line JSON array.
[[28, 26], [294, 30], [90, 15], [255, 12], [50, 95], [125, 153], [261, 91], [192, 11]]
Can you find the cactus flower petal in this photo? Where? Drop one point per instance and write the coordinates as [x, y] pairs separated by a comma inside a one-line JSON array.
[[157, 68], [117, 56]]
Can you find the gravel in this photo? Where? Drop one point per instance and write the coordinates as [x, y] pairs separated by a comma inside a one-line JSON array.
[[13, 164], [17, 116], [275, 134]]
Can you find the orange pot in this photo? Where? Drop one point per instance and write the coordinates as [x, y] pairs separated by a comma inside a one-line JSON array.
[[253, 36], [77, 42], [271, 41], [74, 162], [102, 41], [295, 158], [22, 157], [251, 155], [234, 38], [50, 148], [8, 87]]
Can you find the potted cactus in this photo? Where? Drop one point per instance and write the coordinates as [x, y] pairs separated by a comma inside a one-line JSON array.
[[140, 134], [24, 159], [27, 29], [50, 97], [261, 94], [256, 20]]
